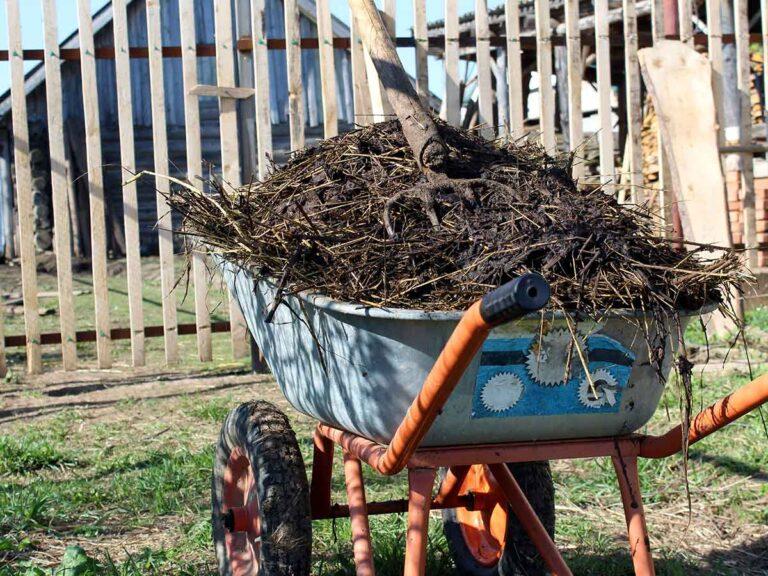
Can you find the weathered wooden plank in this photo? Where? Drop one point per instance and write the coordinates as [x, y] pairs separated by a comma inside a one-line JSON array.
[[230, 146], [327, 69], [603, 49], [380, 108], [59, 186], [544, 67], [24, 201], [633, 148], [515, 67], [162, 184], [293, 63], [422, 49], [235, 92], [741, 21], [483, 51], [451, 59], [573, 49], [261, 80], [95, 183], [764, 31], [194, 171], [360, 93], [685, 16], [128, 162], [3, 362]]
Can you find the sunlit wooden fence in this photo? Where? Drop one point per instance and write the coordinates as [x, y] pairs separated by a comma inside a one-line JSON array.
[[497, 45]]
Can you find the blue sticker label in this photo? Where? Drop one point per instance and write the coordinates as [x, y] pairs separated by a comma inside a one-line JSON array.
[[532, 376]]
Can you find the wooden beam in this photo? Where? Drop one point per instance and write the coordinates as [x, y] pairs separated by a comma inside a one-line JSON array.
[[261, 81], [162, 184], [575, 76], [360, 92], [485, 98], [295, 85], [633, 91], [607, 168], [59, 186], [715, 51], [221, 91], [95, 183], [422, 49], [544, 67], [193, 142], [130, 198], [451, 60], [327, 69], [230, 147], [685, 16], [515, 67]]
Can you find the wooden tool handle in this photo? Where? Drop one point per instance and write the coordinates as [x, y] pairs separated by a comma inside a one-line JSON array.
[[419, 128]]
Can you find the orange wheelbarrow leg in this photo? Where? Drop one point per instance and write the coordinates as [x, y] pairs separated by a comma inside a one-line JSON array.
[[358, 514], [529, 520], [639, 543], [420, 483]]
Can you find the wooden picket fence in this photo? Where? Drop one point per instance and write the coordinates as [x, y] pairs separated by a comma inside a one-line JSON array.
[[247, 41]]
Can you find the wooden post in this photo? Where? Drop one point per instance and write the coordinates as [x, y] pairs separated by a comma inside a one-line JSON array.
[[483, 51], [603, 49], [3, 364], [451, 59], [514, 64], [6, 194], [23, 189], [230, 147], [544, 67], [95, 184], [327, 69], [162, 184], [422, 49], [741, 15], [361, 94], [634, 105], [575, 67], [130, 198], [194, 170], [295, 86], [261, 82], [499, 69]]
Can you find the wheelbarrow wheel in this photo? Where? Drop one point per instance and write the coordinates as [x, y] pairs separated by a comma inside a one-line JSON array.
[[260, 496], [490, 541]]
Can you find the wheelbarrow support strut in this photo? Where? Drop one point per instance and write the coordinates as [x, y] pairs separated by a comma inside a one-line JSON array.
[[422, 463]]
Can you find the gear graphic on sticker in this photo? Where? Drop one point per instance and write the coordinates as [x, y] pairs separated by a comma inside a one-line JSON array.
[[548, 357], [605, 388], [501, 392]]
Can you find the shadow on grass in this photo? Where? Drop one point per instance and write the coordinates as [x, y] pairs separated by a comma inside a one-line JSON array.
[[733, 465]]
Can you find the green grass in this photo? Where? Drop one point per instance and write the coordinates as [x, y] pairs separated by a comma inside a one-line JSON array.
[[134, 492]]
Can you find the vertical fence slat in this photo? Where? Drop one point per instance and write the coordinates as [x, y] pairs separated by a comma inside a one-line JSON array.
[[634, 148], [230, 147], [515, 67], [380, 107], [295, 86], [451, 60], [162, 184], [327, 69], [130, 198], [360, 93], [603, 50], [685, 16], [24, 189], [422, 49], [483, 51], [59, 186], [261, 81], [573, 49], [743, 74], [715, 49], [544, 67], [764, 31], [194, 169], [3, 363], [95, 183]]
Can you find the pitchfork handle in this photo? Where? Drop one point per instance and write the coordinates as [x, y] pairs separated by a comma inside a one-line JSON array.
[[523, 295]]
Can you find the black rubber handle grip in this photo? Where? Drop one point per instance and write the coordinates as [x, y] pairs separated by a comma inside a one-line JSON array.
[[516, 298]]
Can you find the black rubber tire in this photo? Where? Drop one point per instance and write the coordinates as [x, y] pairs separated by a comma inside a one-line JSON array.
[[262, 431], [520, 556]]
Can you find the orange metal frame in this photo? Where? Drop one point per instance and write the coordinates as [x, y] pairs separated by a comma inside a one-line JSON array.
[[403, 451]]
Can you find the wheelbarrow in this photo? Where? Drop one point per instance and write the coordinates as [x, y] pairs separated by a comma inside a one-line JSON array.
[[481, 395]]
